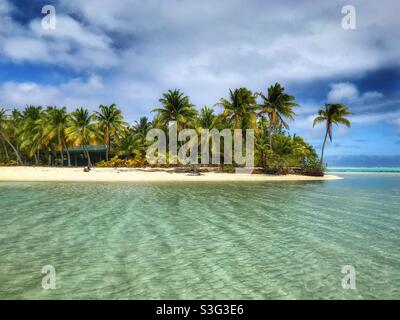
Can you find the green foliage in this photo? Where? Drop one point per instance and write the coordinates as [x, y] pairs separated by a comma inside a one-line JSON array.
[[116, 162], [176, 107], [312, 163], [10, 163], [240, 108], [228, 168], [44, 136], [286, 151]]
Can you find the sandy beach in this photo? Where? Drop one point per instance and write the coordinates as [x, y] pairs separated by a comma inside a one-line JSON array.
[[135, 175]]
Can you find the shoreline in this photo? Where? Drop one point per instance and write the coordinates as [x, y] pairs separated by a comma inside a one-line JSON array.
[[76, 174]]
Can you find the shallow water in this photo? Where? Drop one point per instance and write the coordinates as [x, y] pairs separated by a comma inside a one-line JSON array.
[[275, 240]]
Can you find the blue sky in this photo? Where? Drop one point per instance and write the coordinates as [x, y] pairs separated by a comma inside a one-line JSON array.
[[129, 52]]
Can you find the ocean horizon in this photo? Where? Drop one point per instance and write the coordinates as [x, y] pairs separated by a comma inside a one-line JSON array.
[[364, 169]]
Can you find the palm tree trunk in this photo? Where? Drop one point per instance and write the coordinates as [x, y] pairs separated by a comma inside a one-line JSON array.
[[88, 156], [108, 144], [270, 136], [67, 151], [323, 145], [237, 122], [69, 157], [5, 151], [19, 160]]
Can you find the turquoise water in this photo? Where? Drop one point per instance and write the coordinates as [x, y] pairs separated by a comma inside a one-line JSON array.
[[281, 240], [365, 169]]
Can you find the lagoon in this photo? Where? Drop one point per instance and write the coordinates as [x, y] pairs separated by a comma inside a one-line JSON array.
[[213, 240]]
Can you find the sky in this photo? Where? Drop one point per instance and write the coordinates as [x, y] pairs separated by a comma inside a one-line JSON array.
[[129, 52]]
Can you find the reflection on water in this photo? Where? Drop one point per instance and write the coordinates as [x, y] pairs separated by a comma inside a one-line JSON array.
[[286, 240]]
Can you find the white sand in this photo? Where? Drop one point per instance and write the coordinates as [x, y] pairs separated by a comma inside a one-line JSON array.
[[135, 175]]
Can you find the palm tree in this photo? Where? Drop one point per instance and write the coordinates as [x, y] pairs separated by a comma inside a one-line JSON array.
[[27, 131], [277, 105], [57, 121], [111, 123], [176, 107], [334, 113], [6, 133], [140, 130], [41, 140], [206, 119], [261, 141], [82, 131], [128, 144], [240, 108]]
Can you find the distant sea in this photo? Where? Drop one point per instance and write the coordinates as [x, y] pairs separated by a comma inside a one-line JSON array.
[[365, 169]]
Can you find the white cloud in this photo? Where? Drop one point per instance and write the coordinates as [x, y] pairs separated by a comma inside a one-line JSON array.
[[71, 44], [69, 29], [15, 94], [139, 49], [346, 91], [343, 91], [73, 93]]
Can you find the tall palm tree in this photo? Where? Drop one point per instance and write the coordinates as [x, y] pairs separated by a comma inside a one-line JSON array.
[[277, 105], [111, 123], [7, 130], [82, 131], [334, 113], [240, 108], [176, 107], [57, 121]]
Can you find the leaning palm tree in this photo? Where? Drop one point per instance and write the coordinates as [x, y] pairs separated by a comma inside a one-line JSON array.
[[82, 131], [240, 108], [332, 114], [176, 107], [7, 131], [111, 123], [277, 105]]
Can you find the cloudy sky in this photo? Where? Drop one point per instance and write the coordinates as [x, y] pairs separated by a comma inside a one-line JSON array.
[[130, 51]]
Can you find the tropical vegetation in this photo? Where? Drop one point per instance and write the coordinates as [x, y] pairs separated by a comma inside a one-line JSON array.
[[47, 136]]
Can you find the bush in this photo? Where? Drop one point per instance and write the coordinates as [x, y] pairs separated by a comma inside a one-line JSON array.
[[312, 163], [10, 163], [228, 168], [118, 163], [135, 163]]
